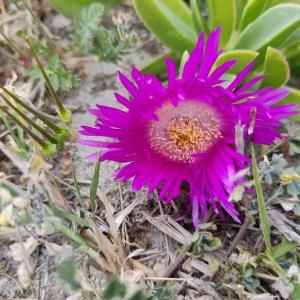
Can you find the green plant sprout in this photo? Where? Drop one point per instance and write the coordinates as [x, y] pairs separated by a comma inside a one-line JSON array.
[[91, 37]]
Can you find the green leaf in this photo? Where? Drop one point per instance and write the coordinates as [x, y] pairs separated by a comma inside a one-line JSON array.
[[242, 57], [87, 24], [284, 247], [94, 185], [115, 289], [207, 242], [72, 9], [276, 68], [263, 215], [170, 20], [277, 2], [71, 217], [184, 58], [59, 77], [293, 97], [163, 293], [271, 28], [92, 38], [222, 12], [239, 8], [292, 40], [67, 271], [10, 187], [75, 237], [158, 66], [199, 21], [252, 10], [296, 291], [78, 193]]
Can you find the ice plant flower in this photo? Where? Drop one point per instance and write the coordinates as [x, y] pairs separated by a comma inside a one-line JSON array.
[[185, 131]]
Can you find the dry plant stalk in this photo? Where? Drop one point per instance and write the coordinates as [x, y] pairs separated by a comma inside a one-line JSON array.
[[171, 228]]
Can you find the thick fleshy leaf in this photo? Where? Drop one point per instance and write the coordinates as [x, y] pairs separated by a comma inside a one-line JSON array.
[[170, 20], [184, 58], [72, 9], [294, 60], [158, 65], [292, 40], [252, 10], [239, 8], [277, 2], [199, 22], [222, 12], [276, 68], [242, 57], [293, 97], [271, 28]]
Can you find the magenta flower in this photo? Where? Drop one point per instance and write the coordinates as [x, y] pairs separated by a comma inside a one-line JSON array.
[[185, 131]]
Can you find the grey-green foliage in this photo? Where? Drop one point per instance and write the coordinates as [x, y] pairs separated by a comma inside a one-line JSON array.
[[249, 280], [116, 290], [66, 271], [91, 37], [61, 79], [87, 26], [207, 242], [162, 294], [273, 173], [272, 169]]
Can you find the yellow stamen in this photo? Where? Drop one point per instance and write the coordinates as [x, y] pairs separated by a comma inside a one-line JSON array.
[[184, 131]]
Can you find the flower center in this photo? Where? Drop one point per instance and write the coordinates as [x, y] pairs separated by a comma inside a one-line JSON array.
[[184, 131]]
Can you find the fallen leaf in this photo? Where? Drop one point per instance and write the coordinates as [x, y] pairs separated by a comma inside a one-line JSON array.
[[288, 228], [283, 287], [54, 249], [24, 275], [21, 252]]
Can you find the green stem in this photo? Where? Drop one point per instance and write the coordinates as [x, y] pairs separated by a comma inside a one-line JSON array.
[[61, 108], [13, 46], [8, 127], [31, 134], [30, 109], [40, 25], [263, 215], [29, 121], [47, 148], [272, 262]]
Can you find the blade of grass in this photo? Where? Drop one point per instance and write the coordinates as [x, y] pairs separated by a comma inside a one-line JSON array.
[[26, 129], [21, 136], [71, 217], [78, 193], [198, 19], [284, 247], [30, 122], [36, 113], [94, 185], [73, 236], [263, 215], [8, 127]]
